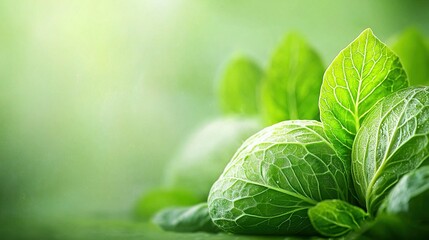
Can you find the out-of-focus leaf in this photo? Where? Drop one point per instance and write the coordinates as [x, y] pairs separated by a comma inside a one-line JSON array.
[[413, 51], [387, 227], [205, 155], [159, 198], [239, 89], [186, 219], [410, 196], [291, 88]]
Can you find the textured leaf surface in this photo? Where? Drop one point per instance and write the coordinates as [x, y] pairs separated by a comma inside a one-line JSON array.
[[410, 197], [274, 178], [413, 51], [361, 75], [291, 87], [239, 88], [206, 153], [334, 218], [186, 219], [393, 140]]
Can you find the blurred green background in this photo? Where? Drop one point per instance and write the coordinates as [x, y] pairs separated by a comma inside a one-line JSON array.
[[97, 96]]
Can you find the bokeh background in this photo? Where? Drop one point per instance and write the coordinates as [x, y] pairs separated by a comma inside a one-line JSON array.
[[97, 96]]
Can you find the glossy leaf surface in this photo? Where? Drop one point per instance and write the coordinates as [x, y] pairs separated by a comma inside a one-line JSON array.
[[361, 75], [393, 140]]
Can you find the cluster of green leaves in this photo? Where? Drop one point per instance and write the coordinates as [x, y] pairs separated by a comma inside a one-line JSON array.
[[352, 175], [202, 158], [248, 99]]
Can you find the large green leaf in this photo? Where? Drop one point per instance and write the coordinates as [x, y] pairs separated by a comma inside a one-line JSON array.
[[275, 177], [360, 76], [393, 140], [335, 218], [409, 198], [239, 87], [291, 87], [413, 51]]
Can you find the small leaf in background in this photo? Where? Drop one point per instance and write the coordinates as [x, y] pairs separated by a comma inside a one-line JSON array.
[[410, 197], [393, 140], [206, 153], [291, 87], [274, 178], [239, 89], [334, 218], [159, 198], [186, 219], [362, 74], [413, 51]]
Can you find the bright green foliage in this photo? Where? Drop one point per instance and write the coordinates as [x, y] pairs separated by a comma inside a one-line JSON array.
[[275, 177], [297, 177], [334, 218], [410, 197], [393, 140], [361, 75], [292, 84], [240, 87], [206, 153], [413, 51], [186, 219], [159, 198]]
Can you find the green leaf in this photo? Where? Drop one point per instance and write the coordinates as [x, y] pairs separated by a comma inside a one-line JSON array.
[[393, 140], [334, 218], [387, 227], [274, 178], [291, 87], [361, 75], [159, 198], [413, 51], [240, 87], [186, 219], [409, 198], [206, 153]]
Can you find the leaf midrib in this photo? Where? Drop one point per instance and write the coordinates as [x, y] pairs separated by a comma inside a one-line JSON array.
[[305, 199], [386, 156]]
